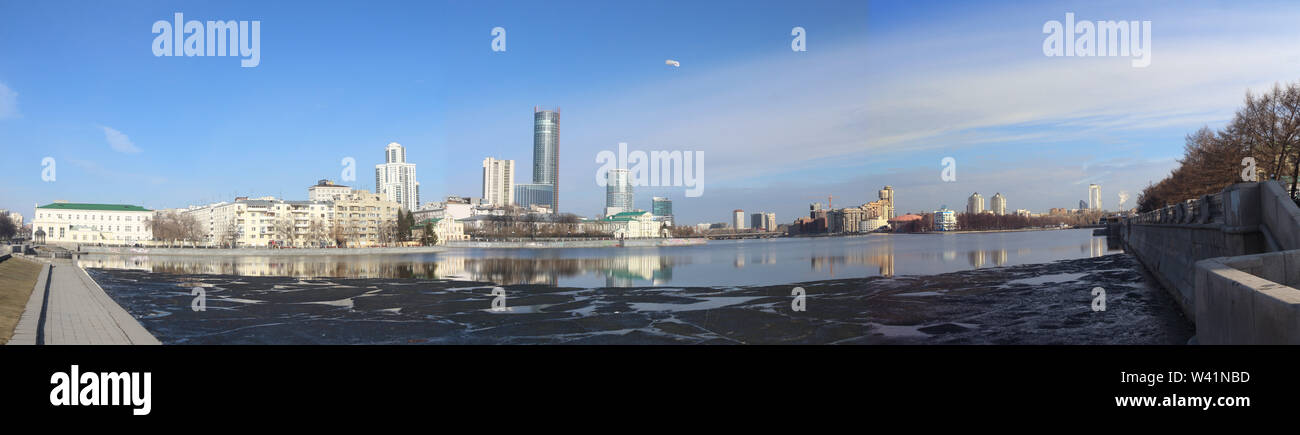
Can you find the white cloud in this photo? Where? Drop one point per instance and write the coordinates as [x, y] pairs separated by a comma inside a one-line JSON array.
[[119, 141], [901, 94], [8, 102]]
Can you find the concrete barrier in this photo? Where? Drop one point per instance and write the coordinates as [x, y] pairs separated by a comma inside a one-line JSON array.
[[1249, 299], [1231, 261]]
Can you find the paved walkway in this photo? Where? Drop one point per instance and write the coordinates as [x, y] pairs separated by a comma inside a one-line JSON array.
[[76, 311]]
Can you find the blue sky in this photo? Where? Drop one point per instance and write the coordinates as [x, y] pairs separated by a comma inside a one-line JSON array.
[[884, 91]]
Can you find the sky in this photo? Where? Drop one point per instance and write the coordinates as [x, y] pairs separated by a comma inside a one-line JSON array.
[[884, 91]]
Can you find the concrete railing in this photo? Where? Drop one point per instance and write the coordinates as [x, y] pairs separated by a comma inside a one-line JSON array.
[[1249, 299], [1211, 255]]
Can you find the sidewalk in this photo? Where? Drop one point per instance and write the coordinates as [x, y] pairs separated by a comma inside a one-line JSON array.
[[77, 312]]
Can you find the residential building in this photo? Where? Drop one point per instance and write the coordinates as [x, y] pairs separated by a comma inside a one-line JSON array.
[[738, 219], [498, 182], [887, 199], [872, 224], [364, 219], [110, 224], [546, 153], [266, 222], [975, 204], [326, 190], [395, 178], [998, 204]]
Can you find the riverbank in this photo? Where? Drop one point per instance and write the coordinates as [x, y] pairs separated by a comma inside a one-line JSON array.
[[1049, 303], [288, 252]]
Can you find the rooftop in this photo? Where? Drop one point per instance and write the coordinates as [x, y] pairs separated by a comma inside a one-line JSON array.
[[86, 206]]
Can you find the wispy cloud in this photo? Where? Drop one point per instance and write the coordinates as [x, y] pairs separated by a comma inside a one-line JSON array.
[[97, 169], [8, 102], [119, 141]]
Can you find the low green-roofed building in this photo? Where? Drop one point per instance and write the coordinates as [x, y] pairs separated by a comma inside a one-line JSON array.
[[86, 206], [79, 223]]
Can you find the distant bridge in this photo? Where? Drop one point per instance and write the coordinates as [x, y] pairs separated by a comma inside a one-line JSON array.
[[745, 235]]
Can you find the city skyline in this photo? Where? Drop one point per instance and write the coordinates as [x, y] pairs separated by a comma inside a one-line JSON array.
[[271, 129]]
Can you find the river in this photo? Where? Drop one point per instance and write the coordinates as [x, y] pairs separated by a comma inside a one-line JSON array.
[[719, 263]]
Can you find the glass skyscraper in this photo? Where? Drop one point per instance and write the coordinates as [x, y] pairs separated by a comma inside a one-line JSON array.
[[618, 192], [546, 152]]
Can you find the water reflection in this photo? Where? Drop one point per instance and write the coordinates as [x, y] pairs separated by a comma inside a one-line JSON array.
[[761, 262]]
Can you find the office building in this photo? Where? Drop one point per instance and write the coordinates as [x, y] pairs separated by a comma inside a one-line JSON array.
[[1094, 197], [546, 153], [532, 196], [618, 192]]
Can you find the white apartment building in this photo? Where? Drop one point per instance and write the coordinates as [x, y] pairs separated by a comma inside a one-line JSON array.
[[110, 224], [326, 190], [738, 219], [395, 178], [266, 222], [498, 181]]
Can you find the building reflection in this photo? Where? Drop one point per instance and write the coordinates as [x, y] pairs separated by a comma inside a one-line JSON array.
[[1099, 246], [990, 257], [881, 256], [624, 271]]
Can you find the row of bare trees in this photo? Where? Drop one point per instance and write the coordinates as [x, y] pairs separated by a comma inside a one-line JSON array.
[[990, 221], [517, 223], [8, 229], [170, 226], [1266, 128]]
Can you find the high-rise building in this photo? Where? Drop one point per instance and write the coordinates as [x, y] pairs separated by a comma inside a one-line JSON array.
[[618, 192], [498, 181], [1094, 197], [763, 221], [395, 178], [1083, 205], [546, 152], [998, 204], [887, 195], [975, 204], [738, 219]]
